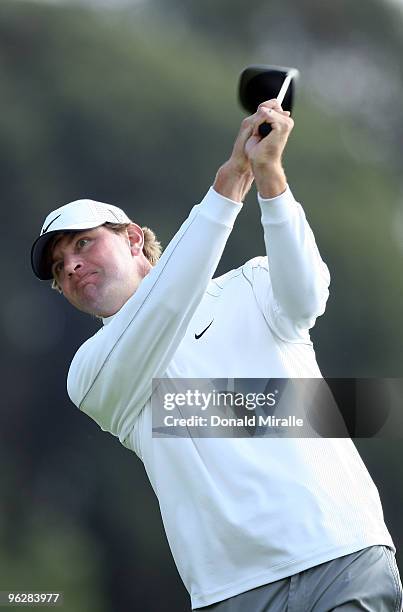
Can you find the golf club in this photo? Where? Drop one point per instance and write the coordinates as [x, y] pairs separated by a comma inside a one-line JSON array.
[[261, 82]]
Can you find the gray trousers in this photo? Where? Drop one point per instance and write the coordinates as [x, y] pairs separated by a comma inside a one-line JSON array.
[[365, 580]]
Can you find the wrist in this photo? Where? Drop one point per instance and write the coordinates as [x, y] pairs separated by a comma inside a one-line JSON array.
[[271, 180], [233, 181]]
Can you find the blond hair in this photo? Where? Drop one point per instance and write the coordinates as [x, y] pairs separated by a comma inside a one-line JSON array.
[[152, 248]]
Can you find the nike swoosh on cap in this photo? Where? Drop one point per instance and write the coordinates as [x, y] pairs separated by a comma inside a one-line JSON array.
[[45, 229], [197, 336]]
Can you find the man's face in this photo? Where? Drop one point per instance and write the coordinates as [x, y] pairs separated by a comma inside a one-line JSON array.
[[97, 270]]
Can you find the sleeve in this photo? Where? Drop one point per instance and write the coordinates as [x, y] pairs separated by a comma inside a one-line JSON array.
[[111, 375], [296, 282]]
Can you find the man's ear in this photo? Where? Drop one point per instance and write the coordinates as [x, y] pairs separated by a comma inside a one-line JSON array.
[[136, 238]]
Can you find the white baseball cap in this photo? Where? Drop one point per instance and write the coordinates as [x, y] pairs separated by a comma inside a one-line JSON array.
[[73, 217]]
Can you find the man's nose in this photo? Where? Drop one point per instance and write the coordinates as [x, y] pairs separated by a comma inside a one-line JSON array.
[[72, 264]]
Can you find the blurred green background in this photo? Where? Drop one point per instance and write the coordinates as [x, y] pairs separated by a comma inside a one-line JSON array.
[[134, 103]]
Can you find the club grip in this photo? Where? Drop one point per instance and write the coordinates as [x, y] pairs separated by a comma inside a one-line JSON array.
[[264, 129]]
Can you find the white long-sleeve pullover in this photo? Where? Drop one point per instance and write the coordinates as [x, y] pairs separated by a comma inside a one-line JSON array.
[[238, 512]]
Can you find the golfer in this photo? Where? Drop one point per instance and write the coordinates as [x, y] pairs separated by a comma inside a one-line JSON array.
[[254, 524]]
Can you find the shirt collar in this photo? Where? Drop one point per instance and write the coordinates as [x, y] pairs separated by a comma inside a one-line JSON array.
[[107, 320]]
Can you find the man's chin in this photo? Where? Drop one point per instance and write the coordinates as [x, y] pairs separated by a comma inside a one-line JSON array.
[[89, 306], [93, 301], [89, 300], [96, 309]]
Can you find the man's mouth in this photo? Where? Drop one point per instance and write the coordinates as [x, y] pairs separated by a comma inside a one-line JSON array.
[[87, 278]]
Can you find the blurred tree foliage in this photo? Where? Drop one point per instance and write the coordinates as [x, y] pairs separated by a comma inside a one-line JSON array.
[[138, 107]]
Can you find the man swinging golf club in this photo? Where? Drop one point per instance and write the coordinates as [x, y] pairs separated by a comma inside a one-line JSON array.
[[278, 524]]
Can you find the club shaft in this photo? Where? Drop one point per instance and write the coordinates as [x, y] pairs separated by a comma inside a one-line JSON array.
[[284, 88]]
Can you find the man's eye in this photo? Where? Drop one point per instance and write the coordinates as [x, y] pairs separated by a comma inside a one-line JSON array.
[[58, 267], [82, 242]]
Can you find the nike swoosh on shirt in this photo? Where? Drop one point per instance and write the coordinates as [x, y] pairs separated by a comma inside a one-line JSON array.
[[197, 336], [45, 229]]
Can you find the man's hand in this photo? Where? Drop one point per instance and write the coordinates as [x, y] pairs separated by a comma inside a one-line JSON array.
[[268, 150], [235, 177], [265, 154], [256, 156]]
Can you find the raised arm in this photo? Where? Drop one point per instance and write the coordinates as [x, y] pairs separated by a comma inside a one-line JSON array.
[[298, 277]]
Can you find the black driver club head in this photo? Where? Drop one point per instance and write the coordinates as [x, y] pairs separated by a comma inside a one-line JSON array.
[[261, 82]]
